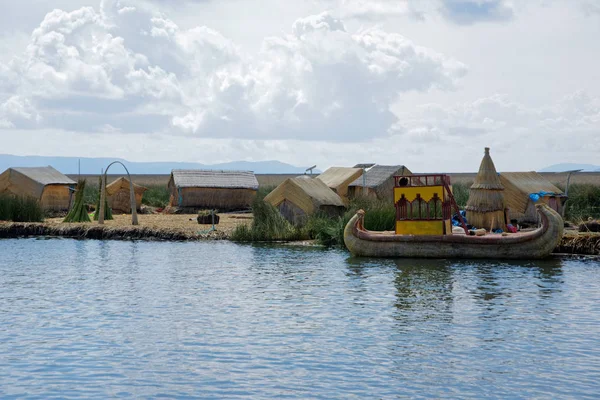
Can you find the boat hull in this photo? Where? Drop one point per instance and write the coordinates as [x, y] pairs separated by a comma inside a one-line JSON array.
[[538, 243]]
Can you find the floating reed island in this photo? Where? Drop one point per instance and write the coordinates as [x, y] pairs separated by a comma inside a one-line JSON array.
[[571, 243], [168, 227]]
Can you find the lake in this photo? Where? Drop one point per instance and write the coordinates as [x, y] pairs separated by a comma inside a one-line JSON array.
[[109, 319]]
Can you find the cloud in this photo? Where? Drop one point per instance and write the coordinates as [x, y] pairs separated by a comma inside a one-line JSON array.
[[461, 12], [591, 8], [379, 9], [466, 12], [17, 111], [137, 71], [565, 125]]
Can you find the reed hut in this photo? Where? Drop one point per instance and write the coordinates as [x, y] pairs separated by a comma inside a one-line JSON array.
[[377, 182], [51, 188], [523, 190], [298, 198], [486, 206], [339, 178], [207, 189], [119, 196]]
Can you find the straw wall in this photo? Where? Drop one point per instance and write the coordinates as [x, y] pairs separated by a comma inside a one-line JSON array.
[[55, 198], [222, 199], [120, 201], [292, 213], [530, 215], [487, 220]]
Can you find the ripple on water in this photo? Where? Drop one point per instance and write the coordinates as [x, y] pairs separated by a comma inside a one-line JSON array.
[[134, 319]]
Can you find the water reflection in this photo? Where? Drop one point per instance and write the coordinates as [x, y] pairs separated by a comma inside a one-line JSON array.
[[133, 319], [424, 289]]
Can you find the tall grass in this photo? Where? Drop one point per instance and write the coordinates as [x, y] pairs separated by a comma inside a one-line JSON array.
[[156, 196], [268, 224], [460, 191], [90, 193], [583, 202], [379, 216], [20, 209]]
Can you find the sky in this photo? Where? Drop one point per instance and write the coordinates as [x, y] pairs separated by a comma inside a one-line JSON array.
[[423, 83]]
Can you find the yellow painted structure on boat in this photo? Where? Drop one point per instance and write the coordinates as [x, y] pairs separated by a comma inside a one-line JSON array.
[[411, 192], [419, 227], [422, 227]]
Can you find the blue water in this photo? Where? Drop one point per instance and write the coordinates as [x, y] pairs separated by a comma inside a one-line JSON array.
[[93, 319]]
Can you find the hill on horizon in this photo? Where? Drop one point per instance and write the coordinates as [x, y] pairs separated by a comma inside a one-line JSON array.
[[570, 167], [93, 166]]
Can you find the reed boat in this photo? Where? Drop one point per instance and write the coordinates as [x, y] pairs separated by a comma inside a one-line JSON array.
[[534, 244]]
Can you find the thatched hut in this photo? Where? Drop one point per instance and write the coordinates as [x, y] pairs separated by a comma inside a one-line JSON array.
[[486, 206], [51, 188], [206, 189], [298, 198], [119, 197], [339, 178], [377, 182], [523, 190]]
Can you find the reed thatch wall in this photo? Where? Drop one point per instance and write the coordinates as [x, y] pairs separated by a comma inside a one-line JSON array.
[[517, 188], [56, 198], [486, 205], [298, 198], [47, 185], [214, 198], [119, 198], [204, 189]]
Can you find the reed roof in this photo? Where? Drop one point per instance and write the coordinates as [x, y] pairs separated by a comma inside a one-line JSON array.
[[214, 179], [339, 177], [123, 183], [31, 181], [487, 177], [378, 175], [306, 193], [487, 193], [519, 185], [45, 175]]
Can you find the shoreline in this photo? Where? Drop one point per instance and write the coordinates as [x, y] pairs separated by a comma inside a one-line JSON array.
[[572, 243], [102, 232]]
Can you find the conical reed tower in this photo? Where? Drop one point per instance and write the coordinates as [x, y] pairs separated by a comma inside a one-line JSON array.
[[486, 207]]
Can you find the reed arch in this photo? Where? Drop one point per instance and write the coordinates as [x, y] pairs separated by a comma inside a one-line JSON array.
[[134, 217]]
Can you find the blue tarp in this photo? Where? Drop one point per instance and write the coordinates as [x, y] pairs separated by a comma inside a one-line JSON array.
[[456, 221], [536, 196]]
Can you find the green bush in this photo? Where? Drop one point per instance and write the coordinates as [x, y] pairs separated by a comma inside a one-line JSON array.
[[461, 193], [156, 196], [583, 202], [20, 209], [268, 224], [90, 193], [379, 216]]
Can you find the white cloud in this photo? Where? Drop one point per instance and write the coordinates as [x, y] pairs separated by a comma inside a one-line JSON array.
[[473, 11], [462, 12], [321, 82], [17, 111], [570, 125], [334, 88]]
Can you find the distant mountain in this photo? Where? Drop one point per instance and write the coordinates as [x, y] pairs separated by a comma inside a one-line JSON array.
[[570, 167], [69, 165]]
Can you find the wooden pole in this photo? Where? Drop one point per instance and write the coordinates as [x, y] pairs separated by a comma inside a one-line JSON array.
[[102, 197], [134, 217]]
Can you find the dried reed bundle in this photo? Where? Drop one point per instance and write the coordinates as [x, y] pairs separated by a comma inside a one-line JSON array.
[[79, 212], [485, 207]]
